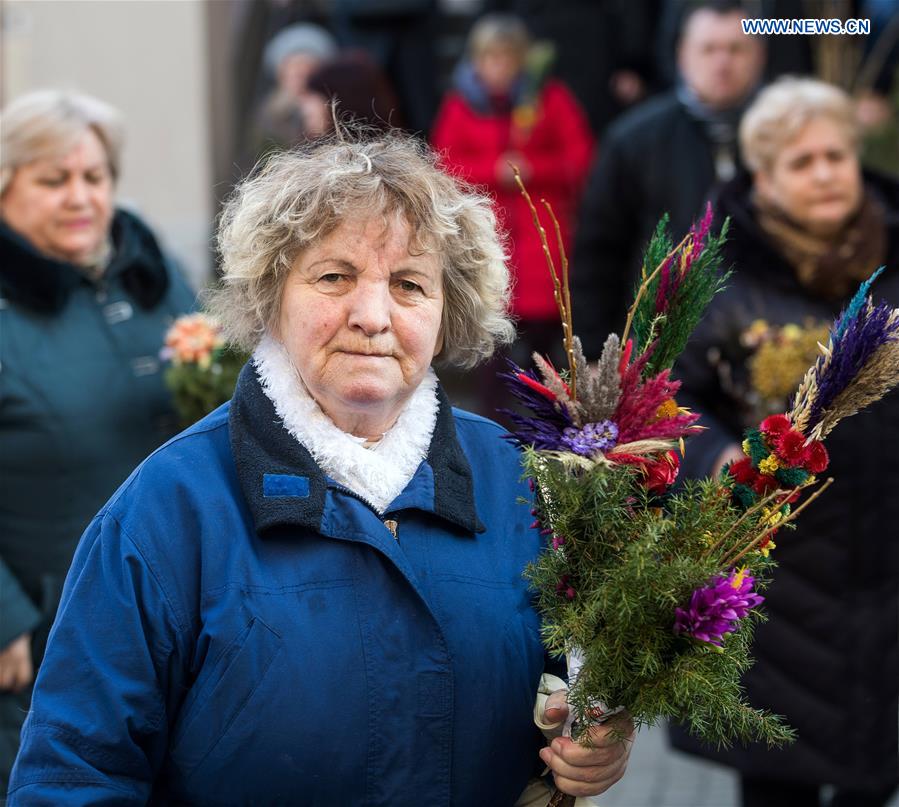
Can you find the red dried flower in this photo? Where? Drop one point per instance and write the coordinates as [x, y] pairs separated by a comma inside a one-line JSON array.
[[775, 425], [661, 473], [536, 386], [791, 448], [743, 472], [817, 457], [764, 484]]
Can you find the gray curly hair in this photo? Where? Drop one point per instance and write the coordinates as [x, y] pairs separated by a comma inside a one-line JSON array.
[[300, 196]]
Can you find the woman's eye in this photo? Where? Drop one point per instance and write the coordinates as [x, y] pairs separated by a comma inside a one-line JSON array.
[[331, 278], [95, 179], [52, 182], [409, 286]]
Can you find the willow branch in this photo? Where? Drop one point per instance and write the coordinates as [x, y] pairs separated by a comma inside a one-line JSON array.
[[564, 310], [747, 514], [567, 322], [782, 522], [543, 241]]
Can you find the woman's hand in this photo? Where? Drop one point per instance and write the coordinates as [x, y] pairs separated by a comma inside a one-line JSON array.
[[16, 670], [587, 771]]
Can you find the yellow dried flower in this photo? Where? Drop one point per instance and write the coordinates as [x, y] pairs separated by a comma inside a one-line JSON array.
[[772, 516], [755, 334], [769, 465], [782, 358], [667, 409], [738, 577]]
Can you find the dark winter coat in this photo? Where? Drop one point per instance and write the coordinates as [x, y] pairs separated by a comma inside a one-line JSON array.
[[473, 135], [237, 628], [82, 401], [655, 159], [828, 658]]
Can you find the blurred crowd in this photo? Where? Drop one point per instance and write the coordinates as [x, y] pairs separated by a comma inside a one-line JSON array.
[[616, 113]]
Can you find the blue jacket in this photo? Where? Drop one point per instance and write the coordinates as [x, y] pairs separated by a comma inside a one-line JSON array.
[[236, 628]]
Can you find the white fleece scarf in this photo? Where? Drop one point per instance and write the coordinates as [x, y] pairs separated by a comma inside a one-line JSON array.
[[377, 474]]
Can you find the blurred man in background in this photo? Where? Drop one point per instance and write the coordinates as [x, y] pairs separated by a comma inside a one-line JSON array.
[[664, 155]]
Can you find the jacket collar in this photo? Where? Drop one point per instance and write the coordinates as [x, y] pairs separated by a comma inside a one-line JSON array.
[[469, 86], [43, 284], [283, 486]]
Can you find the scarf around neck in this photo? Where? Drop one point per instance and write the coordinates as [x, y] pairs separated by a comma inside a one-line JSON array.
[[830, 267], [379, 473]]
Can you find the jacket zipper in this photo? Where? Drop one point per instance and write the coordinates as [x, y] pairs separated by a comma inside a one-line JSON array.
[[391, 524]]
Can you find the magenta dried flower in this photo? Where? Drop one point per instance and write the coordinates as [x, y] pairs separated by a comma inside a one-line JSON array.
[[564, 587], [715, 609], [558, 540]]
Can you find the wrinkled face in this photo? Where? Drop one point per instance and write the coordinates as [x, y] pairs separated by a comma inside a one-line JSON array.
[[360, 317], [815, 178], [717, 60], [63, 205], [498, 67]]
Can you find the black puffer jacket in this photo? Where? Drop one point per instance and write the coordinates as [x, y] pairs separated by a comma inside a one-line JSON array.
[[655, 159], [828, 658]]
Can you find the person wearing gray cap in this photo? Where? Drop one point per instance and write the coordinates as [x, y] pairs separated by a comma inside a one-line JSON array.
[[290, 57]]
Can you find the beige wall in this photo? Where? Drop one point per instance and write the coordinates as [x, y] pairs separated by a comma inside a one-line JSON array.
[[148, 58]]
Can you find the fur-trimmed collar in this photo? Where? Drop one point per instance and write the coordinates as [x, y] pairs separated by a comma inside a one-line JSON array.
[[44, 285], [377, 474], [265, 453]]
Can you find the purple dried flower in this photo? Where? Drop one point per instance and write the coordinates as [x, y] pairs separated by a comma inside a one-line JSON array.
[[591, 438], [715, 609], [543, 427], [857, 340], [558, 540]]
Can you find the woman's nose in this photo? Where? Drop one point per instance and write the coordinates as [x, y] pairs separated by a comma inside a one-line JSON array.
[[823, 170], [77, 192], [370, 309]]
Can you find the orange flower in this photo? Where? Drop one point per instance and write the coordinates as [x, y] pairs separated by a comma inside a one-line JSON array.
[[192, 339]]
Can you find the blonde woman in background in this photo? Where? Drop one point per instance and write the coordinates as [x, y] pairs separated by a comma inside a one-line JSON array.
[[86, 295]]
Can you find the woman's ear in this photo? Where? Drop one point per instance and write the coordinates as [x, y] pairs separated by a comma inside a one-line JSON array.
[[762, 184]]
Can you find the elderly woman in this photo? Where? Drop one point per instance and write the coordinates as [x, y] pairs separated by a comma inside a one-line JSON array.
[[85, 298], [314, 595], [806, 227]]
